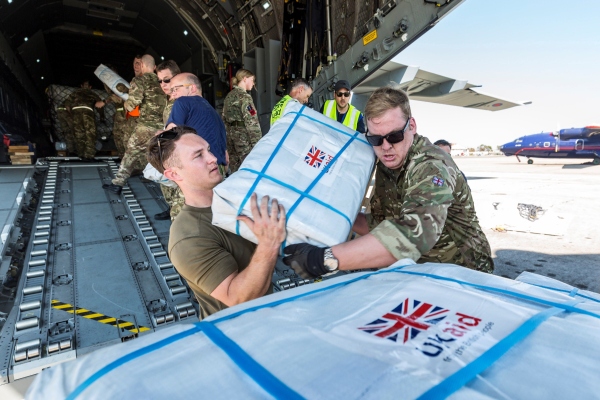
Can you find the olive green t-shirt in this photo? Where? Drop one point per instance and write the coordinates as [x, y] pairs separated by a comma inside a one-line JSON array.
[[205, 255]]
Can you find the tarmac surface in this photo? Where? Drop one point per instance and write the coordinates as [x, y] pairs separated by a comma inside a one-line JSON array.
[[562, 240]]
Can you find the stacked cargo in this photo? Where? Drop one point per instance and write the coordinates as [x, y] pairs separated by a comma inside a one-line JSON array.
[[426, 331], [20, 155]]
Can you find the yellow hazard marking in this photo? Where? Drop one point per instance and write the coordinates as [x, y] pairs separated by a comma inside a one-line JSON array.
[[103, 319], [369, 37]]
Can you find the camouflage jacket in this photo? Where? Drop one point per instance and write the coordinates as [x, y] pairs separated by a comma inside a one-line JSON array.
[[239, 108], [424, 211], [119, 108], [83, 98], [146, 92], [167, 111]]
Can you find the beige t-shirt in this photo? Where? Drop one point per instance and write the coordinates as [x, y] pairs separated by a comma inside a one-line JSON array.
[[205, 255]]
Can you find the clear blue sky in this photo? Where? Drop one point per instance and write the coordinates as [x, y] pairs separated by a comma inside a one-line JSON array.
[[547, 52]]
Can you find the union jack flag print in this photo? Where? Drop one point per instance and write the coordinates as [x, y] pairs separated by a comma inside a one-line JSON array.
[[315, 157], [406, 321], [437, 181]]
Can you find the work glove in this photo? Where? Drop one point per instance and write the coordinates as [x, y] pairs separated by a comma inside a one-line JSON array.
[[306, 260]]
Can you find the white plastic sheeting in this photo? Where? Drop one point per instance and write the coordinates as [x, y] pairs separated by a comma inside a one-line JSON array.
[[154, 175], [316, 167], [408, 331], [111, 79]]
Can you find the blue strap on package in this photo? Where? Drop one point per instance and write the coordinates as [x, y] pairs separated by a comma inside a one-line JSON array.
[[276, 386], [262, 172]]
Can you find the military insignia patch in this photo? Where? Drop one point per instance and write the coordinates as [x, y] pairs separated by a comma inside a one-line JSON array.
[[252, 111], [437, 181]]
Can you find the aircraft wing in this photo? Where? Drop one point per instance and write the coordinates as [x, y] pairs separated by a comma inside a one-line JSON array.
[[426, 86]]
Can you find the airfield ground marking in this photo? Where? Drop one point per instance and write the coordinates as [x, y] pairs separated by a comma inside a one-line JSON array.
[[103, 319]]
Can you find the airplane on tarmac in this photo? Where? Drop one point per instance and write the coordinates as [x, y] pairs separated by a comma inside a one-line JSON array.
[[565, 143]]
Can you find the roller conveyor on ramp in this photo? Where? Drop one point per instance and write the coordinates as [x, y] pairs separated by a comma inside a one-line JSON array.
[[81, 268]]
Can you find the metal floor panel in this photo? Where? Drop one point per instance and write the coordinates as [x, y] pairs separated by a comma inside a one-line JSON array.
[[106, 285], [12, 186], [94, 269], [94, 222], [88, 190], [9, 193]]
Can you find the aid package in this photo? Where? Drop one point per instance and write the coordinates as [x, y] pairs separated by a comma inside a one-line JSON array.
[[317, 168], [111, 79], [427, 331]]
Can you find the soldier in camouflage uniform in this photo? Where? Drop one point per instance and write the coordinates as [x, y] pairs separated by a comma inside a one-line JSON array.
[[130, 119], [146, 92], [80, 105], [119, 124], [173, 196], [241, 119], [421, 207]]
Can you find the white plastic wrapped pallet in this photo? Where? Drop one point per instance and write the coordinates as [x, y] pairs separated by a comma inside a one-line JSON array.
[[111, 79], [409, 331], [317, 168]]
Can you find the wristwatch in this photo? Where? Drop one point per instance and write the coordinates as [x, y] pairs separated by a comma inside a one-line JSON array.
[[329, 260]]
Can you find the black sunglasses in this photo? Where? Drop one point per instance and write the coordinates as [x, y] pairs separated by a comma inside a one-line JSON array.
[[168, 80], [393, 137], [166, 135], [345, 94]]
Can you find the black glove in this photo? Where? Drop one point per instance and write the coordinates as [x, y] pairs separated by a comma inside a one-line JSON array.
[[306, 260]]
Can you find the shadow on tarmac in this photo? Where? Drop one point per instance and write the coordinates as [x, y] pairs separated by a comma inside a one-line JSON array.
[[580, 166], [578, 270]]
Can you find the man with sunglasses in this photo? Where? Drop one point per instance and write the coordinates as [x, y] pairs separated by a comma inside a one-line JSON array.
[[193, 110], [223, 269], [165, 72], [421, 208], [341, 110], [146, 93]]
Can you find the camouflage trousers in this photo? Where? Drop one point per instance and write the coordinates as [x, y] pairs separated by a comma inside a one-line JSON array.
[[65, 133], [120, 127], [123, 134], [84, 127], [135, 153], [238, 146], [174, 198]]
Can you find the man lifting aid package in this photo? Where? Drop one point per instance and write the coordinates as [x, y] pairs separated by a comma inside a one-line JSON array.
[[421, 208], [222, 269]]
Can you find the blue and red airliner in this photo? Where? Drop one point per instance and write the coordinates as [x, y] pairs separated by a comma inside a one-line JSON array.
[[565, 143]]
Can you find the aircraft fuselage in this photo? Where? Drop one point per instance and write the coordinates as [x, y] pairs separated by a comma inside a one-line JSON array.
[[567, 143]]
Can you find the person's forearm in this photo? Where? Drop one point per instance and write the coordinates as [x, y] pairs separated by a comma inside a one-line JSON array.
[[360, 224], [254, 281], [364, 252]]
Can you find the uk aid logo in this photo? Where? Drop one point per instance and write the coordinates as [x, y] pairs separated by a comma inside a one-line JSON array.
[[316, 157], [411, 320]]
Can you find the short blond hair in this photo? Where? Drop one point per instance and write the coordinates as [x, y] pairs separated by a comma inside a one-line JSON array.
[[386, 98]]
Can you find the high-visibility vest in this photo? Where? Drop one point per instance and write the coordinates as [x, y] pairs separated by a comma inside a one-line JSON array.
[[279, 107], [351, 118]]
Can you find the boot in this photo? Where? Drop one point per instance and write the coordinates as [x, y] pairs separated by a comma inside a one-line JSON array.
[[111, 187], [163, 215]]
